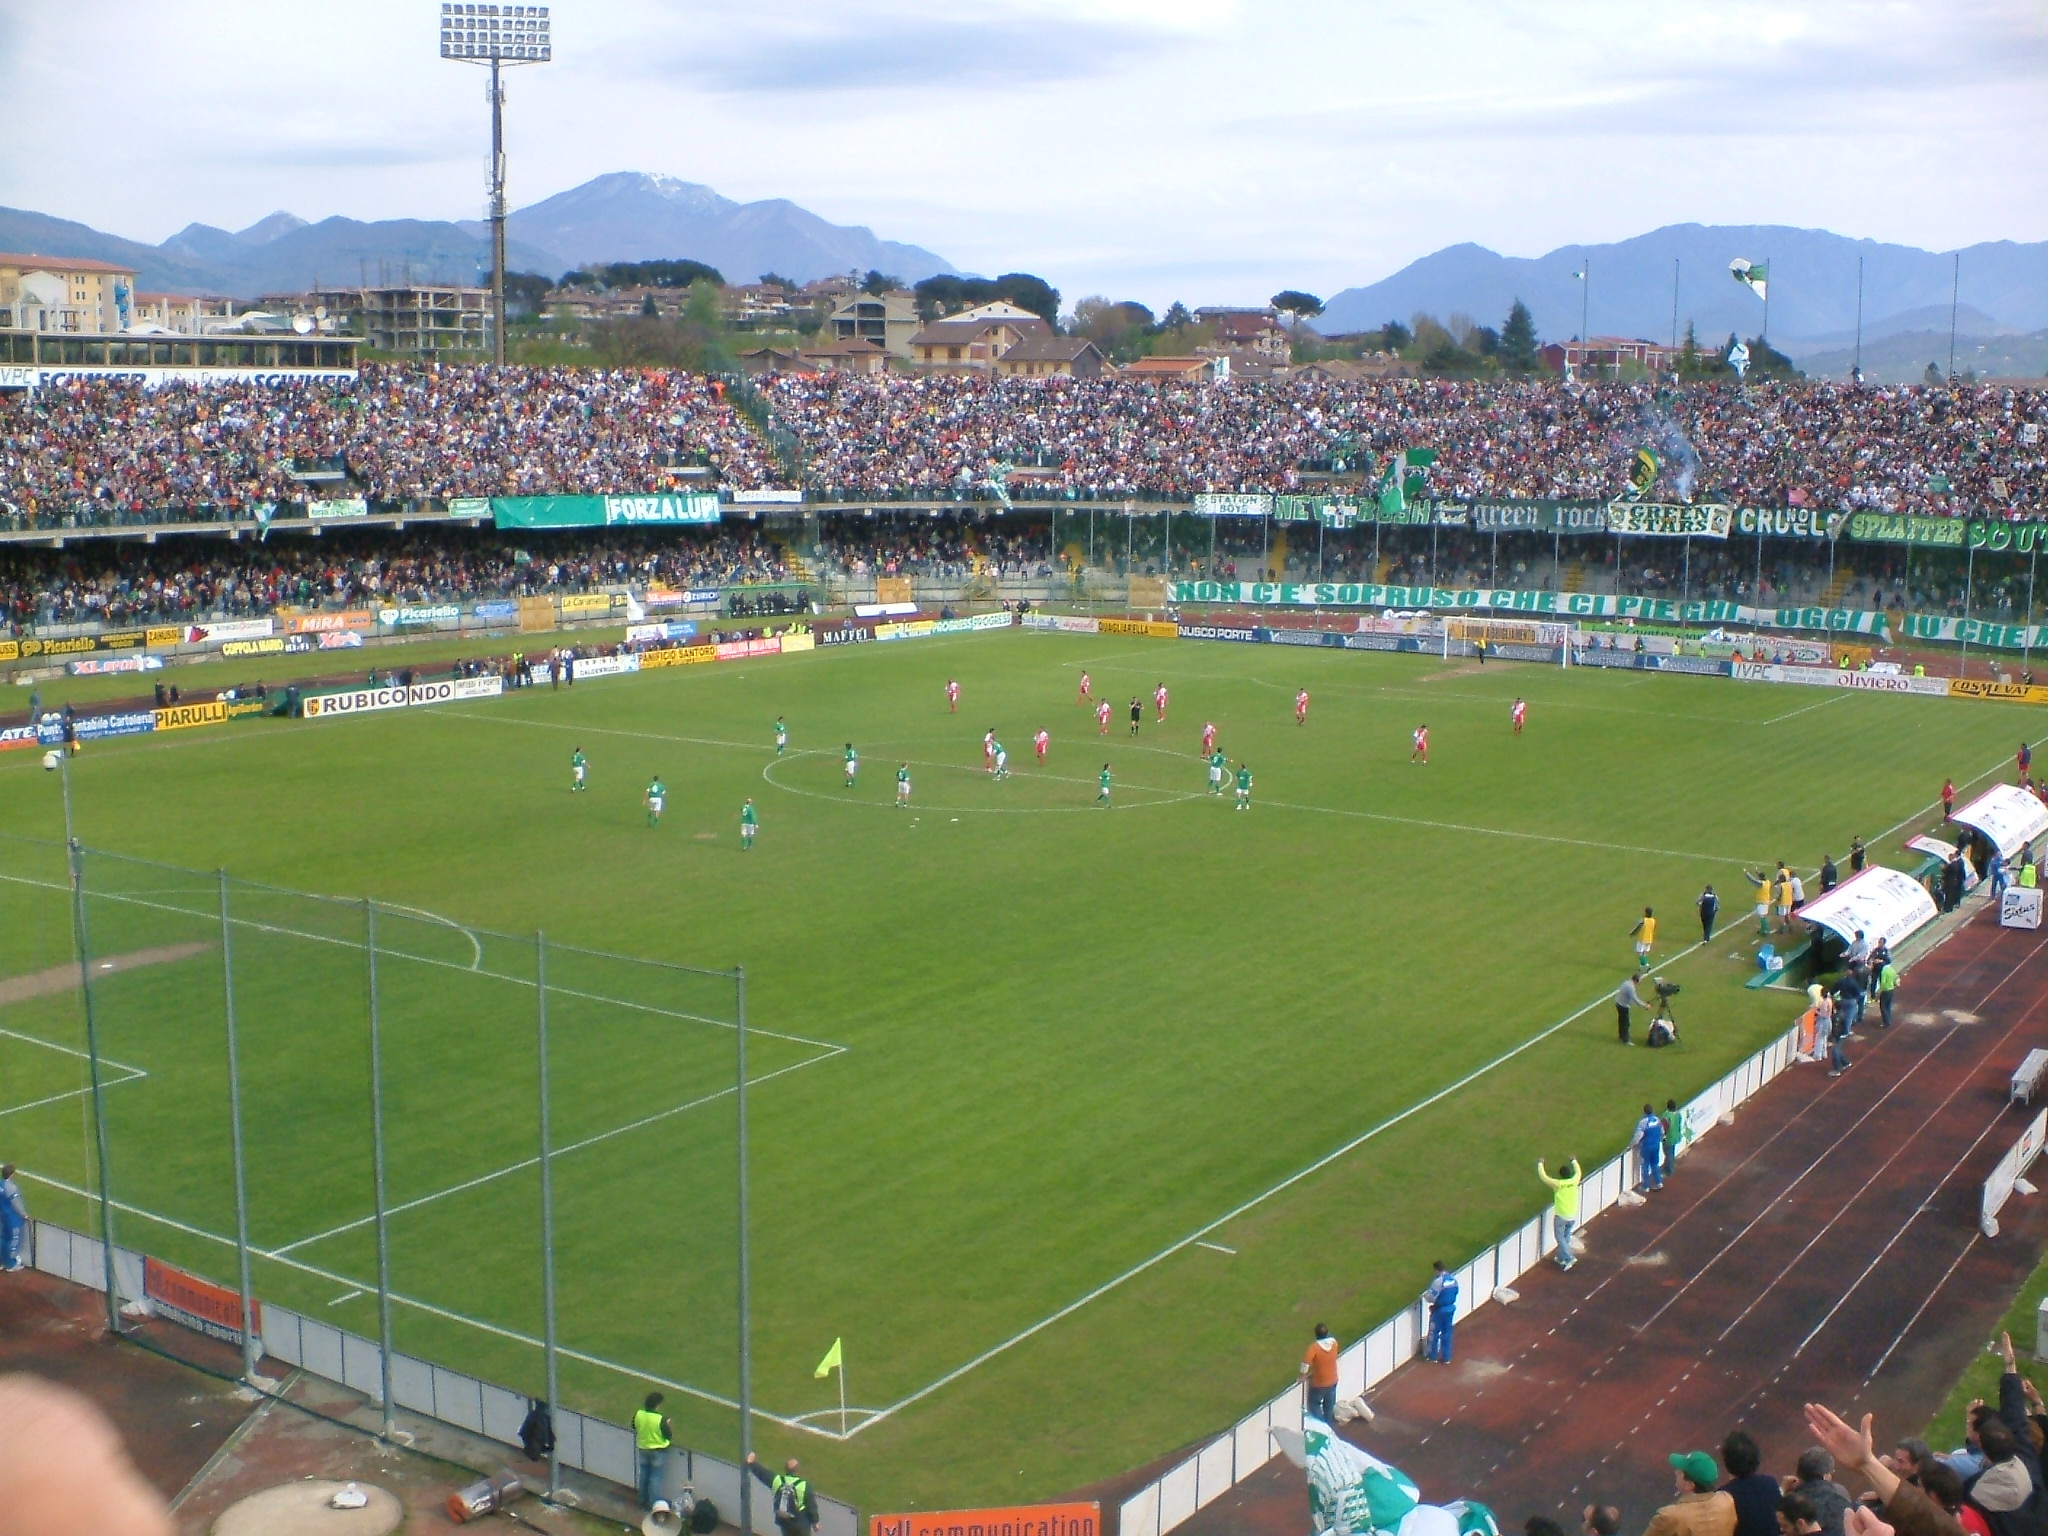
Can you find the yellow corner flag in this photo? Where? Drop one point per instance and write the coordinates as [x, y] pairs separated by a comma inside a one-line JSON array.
[[832, 1362]]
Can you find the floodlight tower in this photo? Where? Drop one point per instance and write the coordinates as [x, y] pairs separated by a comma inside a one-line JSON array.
[[500, 36]]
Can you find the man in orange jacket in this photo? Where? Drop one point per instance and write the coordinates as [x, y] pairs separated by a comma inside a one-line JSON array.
[[1319, 1371]]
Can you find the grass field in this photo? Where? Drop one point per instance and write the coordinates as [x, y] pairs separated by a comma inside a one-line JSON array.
[[1017, 1054]]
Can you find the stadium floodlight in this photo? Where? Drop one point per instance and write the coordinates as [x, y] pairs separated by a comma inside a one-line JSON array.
[[500, 36]]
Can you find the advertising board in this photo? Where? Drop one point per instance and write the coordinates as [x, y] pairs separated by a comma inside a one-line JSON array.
[[1016, 1520], [50, 729], [678, 656], [229, 629], [180, 717], [198, 1304]]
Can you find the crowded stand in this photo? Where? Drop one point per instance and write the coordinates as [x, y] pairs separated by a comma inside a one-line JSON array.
[[92, 451], [126, 584], [1891, 449]]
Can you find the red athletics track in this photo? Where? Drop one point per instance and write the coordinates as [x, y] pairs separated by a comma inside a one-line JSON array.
[[1824, 1246]]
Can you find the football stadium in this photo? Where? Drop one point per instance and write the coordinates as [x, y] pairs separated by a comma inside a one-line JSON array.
[[1025, 934]]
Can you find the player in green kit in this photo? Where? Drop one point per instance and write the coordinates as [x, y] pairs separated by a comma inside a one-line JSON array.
[[1102, 794], [657, 797], [1002, 762], [748, 822], [1244, 788], [903, 784], [577, 768], [852, 764], [1215, 773], [781, 736]]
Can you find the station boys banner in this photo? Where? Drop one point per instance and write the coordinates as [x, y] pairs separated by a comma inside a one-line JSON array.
[[1584, 605]]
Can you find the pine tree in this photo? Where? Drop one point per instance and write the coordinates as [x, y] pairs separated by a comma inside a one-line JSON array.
[[1518, 339]]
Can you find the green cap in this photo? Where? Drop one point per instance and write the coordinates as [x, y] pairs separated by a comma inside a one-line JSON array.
[[1697, 1466]]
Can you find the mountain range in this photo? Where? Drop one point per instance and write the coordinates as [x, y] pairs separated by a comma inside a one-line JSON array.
[[625, 216], [2003, 289]]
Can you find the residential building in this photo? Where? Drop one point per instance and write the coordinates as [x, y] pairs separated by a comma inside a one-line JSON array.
[[1178, 370], [180, 314], [856, 354], [888, 319], [1605, 356], [977, 344], [68, 294], [421, 318], [1256, 332], [774, 360], [1042, 357], [997, 309], [1374, 365], [758, 307]]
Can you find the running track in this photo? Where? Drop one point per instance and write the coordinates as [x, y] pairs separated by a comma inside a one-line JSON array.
[[1823, 1246]]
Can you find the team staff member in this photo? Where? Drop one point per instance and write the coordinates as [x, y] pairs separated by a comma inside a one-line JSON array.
[[1625, 998], [1710, 908], [796, 1506], [652, 1436]]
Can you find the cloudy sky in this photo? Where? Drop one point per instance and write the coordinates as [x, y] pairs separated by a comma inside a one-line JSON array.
[[1210, 150]]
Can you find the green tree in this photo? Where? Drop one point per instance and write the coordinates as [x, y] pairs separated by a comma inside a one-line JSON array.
[[1933, 378], [777, 280], [1394, 336], [1177, 317], [1303, 306], [1518, 339], [878, 282], [648, 308]]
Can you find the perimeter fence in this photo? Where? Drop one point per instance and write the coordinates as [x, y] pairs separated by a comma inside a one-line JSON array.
[[518, 1159]]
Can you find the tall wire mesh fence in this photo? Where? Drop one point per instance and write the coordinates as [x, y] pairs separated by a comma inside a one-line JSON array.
[[506, 1155]]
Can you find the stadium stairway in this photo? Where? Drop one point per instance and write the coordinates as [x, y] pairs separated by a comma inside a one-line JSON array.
[[1575, 576]]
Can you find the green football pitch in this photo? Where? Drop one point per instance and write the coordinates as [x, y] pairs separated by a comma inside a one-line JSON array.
[[1069, 1120]]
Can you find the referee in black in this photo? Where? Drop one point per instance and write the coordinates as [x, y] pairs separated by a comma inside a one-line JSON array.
[[1137, 714]]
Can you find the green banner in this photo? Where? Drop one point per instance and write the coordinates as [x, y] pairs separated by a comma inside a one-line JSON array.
[[2002, 637], [1519, 601], [1884, 528], [603, 511]]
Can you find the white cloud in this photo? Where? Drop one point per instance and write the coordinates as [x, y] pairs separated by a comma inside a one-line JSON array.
[[1195, 149]]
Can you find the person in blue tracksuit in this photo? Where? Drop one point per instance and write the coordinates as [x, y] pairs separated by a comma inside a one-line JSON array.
[[1441, 1302], [1649, 1145]]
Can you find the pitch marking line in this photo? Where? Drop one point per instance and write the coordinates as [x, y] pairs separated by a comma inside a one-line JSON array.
[[1834, 697], [131, 1074], [1117, 1281], [559, 1152], [417, 1305], [446, 965]]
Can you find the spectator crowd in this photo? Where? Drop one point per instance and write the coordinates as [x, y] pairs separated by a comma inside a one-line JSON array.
[[96, 450], [124, 583]]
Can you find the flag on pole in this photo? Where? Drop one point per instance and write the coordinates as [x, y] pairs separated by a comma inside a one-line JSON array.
[[1755, 277], [1393, 487], [833, 1361], [1738, 359]]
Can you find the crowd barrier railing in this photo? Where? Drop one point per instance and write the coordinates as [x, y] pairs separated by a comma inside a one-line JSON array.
[[1229, 1458], [584, 1443]]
